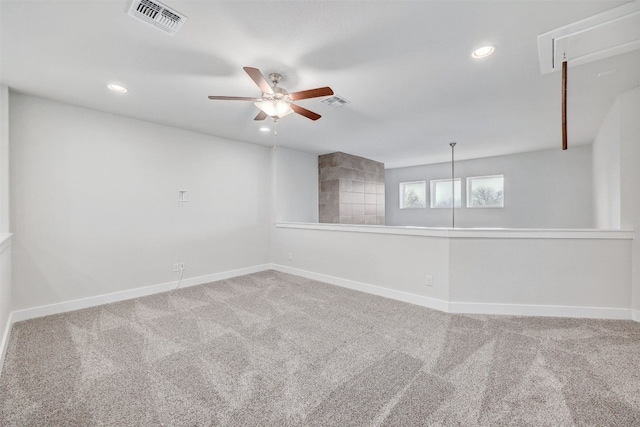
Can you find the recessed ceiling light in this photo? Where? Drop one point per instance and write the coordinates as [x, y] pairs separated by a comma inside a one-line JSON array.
[[265, 129], [117, 88], [483, 52]]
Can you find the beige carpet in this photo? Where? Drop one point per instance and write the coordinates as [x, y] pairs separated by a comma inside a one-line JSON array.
[[271, 349]]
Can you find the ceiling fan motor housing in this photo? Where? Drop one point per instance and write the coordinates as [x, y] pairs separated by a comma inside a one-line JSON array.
[[275, 78]]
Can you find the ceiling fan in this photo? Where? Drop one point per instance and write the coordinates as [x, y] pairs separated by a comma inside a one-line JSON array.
[[276, 102]]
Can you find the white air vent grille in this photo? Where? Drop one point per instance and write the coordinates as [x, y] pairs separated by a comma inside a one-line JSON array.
[[158, 15], [336, 101], [610, 33]]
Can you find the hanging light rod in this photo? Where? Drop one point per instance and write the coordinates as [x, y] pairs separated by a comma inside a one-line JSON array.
[[453, 187]]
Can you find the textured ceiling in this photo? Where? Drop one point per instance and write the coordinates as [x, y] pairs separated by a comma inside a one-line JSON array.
[[405, 66]]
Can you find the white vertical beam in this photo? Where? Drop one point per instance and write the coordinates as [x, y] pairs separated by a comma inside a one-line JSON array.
[[5, 223]]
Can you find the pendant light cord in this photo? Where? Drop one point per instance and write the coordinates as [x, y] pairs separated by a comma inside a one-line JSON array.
[[275, 135], [453, 188]]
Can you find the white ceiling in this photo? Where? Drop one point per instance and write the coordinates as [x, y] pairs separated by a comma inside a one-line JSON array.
[[405, 66]]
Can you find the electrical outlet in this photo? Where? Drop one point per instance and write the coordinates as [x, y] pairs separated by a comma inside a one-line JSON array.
[[429, 281], [290, 256], [176, 266], [181, 266]]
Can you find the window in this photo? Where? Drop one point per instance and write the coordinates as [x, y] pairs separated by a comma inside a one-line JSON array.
[[441, 193], [485, 191], [413, 195]]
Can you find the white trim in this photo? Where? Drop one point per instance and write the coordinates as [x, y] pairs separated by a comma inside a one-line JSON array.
[[551, 43], [402, 195], [78, 304], [364, 287], [194, 281], [4, 343], [378, 229], [469, 184], [436, 304], [541, 310], [468, 307], [467, 233]]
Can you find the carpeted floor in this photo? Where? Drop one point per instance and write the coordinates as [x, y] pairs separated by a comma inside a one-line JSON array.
[[271, 349]]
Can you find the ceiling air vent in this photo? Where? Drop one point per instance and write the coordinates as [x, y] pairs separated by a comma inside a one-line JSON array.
[[336, 101], [158, 15]]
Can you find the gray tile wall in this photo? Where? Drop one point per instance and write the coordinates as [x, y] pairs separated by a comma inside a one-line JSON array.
[[351, 189]]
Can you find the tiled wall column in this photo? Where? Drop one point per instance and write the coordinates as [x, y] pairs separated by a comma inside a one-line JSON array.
[[351, 189]]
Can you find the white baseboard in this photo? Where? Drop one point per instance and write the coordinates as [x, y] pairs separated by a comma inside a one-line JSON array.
[[4, 343], [194, 281], [78, 304], [469, 307], [434, 303], [437, 304], [541, 310]]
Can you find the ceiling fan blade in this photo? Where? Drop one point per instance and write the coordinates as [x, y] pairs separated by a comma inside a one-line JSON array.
[[261, 116], [235, 98], [304, 112], [311, 93], [259, 79]]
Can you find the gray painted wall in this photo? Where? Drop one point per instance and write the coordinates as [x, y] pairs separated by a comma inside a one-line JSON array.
[[294, 185], [5, 256], [94, 203], [616, 160], [543, 189]]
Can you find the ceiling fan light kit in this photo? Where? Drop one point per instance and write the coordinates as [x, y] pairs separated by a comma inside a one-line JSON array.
[[275, 104], [275, 109], [275, 101]]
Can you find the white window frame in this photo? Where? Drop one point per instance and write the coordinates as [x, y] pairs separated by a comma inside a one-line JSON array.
[[469, 192], [434, 195], [401, 192]]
